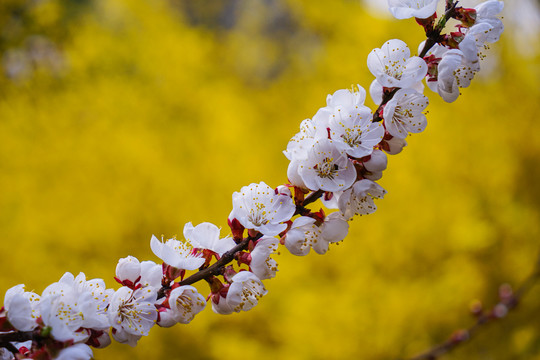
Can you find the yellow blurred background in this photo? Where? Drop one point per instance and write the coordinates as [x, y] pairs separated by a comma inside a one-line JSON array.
[[120, 119]]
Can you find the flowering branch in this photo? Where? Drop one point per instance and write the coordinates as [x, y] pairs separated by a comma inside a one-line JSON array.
[[218, 266], [337, 156], [434, 33]]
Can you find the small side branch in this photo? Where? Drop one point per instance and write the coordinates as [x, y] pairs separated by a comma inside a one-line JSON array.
[[509, 301]]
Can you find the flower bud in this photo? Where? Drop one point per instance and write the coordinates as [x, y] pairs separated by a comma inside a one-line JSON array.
[[128, 270]]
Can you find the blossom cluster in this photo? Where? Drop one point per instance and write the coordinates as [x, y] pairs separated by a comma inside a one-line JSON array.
[[337, 156]]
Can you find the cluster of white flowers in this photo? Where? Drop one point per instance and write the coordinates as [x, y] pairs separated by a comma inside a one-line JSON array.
[[337, 156], [456, 60]]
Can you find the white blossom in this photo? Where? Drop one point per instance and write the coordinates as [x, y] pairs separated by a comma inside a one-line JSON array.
[[302, 234], [123, 337], [376, 92], [358, 200], [184, 302], [473, 42], [22, 308], [258, 207], [94, 299], [353, 132], [262, 265], [454, 71], [151, 274], [405, 9], [310, 129], [487, 12], [333, 229], [206, 236], [60, 309], [327, 168], [305, 234], [72, 305], [293, 173], [245, 291], [132, 313], [403, 113], [176, 253], [346, 98], [392, 65]]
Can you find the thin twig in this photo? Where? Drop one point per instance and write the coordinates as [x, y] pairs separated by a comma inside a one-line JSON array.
[[461, 336]]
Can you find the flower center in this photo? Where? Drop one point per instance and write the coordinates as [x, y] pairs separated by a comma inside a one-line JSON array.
[[184, 302], [352, 137], [401, 113], [327, 168], [257, 215], [250, 294]]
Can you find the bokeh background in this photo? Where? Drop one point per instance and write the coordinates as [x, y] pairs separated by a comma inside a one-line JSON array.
[[120, 119]]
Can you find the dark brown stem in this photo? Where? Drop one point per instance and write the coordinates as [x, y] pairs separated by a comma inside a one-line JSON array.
[[217, 267], [16, 336], [312, 197], [387, 96], [434, 36]]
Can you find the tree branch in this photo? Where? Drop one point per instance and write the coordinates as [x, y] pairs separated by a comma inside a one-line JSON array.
[[433, 37], [217, 267], [506, 304], [6, 339]]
